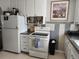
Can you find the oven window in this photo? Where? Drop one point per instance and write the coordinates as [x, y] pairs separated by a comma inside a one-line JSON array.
[[39, 44]]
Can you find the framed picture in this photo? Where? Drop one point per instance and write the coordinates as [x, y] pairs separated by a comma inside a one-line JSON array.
[[59, 10]]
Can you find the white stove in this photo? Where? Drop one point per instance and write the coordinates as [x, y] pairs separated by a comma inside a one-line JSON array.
[[39, 42]]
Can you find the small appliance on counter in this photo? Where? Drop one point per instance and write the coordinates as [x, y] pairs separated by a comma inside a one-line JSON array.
[[30, 28]]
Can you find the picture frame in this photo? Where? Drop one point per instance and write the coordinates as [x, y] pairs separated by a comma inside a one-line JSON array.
[[59, 10]]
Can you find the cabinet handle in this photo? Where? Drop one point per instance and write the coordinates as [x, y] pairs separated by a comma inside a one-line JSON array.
[[24, 37], [25, 45], [24, 48], [25, 42]]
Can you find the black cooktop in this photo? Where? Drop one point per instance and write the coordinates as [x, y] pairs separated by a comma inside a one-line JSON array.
[[26, 33], [41, 34]]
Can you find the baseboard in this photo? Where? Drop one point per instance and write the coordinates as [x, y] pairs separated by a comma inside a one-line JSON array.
[[59, 51]]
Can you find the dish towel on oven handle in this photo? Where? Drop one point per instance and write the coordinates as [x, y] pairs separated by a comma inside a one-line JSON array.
[[37, 43]]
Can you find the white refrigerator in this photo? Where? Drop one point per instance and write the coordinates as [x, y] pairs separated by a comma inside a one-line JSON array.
[[11, 29]]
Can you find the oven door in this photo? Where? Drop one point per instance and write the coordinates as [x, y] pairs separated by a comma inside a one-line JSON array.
[[40, 45]]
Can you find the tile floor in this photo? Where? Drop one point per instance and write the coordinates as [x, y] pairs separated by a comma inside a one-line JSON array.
[[57, 56], [8, 55]]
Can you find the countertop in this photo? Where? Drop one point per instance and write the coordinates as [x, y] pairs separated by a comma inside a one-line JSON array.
[[74, 39]]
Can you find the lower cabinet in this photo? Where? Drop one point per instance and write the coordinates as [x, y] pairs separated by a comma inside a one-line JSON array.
[[70, 51], [24, 43]]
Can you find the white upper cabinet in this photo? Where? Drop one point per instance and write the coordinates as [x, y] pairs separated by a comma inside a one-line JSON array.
[[21, 7], [76, 18], [4, 4], [71, 11], [40, 7], [20, 4], [30, 7], [13, 3], [36, 7]]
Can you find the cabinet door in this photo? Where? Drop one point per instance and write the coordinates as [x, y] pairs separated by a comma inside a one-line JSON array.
[[24, 43], [30, 7], [4, 4], [40, 7], [73, 56], [21, 6], [77, 11], [13, 3], [71, 10]]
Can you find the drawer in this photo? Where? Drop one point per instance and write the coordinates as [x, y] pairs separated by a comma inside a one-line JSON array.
[[23, 37], [24, 48], [24, 41]]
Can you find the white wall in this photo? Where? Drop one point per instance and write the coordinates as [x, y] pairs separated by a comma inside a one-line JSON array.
[[4, 4]]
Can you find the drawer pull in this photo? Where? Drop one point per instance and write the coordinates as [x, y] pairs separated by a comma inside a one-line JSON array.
[[24, 48], [24, 37], [25, 42], [26, 45]]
